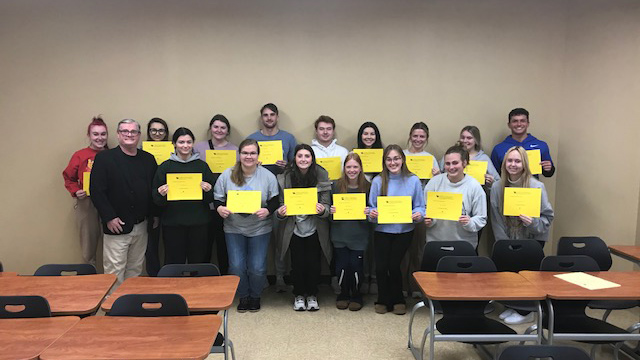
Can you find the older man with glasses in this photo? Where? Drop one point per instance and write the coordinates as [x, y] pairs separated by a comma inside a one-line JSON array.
[[121, 191]]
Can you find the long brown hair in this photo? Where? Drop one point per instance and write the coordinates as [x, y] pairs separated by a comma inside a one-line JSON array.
[[384, 175], [237, 176], [343, 183]]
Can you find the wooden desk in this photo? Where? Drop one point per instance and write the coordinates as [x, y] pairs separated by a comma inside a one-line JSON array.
[[67, 295], [8, 273], [208, 293], [27, 338], [628, 252], [473, 287], [124, 337], [558, 289]]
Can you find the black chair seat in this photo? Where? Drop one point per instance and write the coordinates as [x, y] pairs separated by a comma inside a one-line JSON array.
[[527, 352], [456, 325], [613, 304], [583, 324], [523, 305]]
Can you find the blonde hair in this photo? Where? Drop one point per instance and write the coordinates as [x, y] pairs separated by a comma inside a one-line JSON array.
[[343, 182], [526, 172]]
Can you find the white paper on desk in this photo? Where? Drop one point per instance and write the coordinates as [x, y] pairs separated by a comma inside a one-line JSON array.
[[587, 281]]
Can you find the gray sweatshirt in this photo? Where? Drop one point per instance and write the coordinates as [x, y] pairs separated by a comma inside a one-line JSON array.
[[539, 228], [474, 204]]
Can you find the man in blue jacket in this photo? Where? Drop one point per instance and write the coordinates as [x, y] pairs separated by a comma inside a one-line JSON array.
[[519, 124]]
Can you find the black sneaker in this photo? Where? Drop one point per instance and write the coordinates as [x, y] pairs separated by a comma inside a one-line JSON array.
[[243, 305], [254, 304]]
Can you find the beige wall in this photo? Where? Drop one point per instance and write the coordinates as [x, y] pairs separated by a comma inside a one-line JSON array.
[[599, 181], [450, 63]]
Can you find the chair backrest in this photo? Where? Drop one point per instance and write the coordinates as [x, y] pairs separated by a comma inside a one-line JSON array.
[[149, 305], [569, 263], [26, 306], [1, 268], [529, 352], [189, 270], [592, 246], [466, 264], [517, 255], [435, 250], [61, 269]]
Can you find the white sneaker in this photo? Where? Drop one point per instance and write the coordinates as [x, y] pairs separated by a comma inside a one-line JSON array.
[[312, 303], [516, 319], [281, 286], [298, 303], [505, 314], [334, 284]]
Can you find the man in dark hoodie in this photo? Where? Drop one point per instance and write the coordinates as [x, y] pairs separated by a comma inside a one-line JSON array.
[[519, 124]]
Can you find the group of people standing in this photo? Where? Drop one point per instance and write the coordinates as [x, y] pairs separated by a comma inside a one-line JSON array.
[[128, 196]]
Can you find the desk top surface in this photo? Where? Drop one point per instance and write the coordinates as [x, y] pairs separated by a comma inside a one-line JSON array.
[[28, 338], [477, 286], [67, 295], [124, 337], [628, 250], [207, 293], [562, 290], [8, 273]]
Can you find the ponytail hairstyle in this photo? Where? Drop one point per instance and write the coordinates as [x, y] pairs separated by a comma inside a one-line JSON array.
[[298, 179], [475, 132], [418, 126], [343, 182], [96, 121], [384, 175], [237, 176], [459, 149]]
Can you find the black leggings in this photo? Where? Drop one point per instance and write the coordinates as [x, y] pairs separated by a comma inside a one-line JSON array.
[[305, 264], [389, 249], [185, 243]]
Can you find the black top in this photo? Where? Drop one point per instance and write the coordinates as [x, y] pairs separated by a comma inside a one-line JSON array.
[[121, 187]]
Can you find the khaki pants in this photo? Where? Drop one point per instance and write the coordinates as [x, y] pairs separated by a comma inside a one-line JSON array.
[[124, 254], [89, 228]]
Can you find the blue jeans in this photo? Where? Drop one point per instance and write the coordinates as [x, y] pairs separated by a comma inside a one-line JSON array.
[[248, 260]]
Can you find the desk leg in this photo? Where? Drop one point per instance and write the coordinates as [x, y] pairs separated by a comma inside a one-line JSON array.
[[551, 322], [227, 342], [540, 329]]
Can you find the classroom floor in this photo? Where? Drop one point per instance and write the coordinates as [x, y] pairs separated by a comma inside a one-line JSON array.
[[278, 332]]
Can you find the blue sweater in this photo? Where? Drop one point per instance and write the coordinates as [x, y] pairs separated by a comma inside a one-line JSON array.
[[398, 186], [529, 143]]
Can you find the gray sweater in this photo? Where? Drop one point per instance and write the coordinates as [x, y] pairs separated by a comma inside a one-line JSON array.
[[539, 228], [474, 204]]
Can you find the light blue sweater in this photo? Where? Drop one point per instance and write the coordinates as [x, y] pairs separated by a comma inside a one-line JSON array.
[[398, 186]]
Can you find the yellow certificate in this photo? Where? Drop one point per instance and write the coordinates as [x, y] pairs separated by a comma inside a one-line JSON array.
[[350, 206], [394, 210], [420, 165], [244, 201], [221, 160], [476, 169], [301, 201], [522, 201], [161, 150], [534, 161], [86, 177], [371, 159], [332, 165], [444, 205], [270, 151], [184, 187]]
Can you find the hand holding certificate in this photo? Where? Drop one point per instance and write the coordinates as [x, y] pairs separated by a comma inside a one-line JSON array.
[[244, 201], [349, 206], [220, 160], [522, 201], [161, 150], [270, 152], [332, 165], [534, 161], [184, 187], [371, 159], [394, 210], [422, 166], [476, 169], [444, 205], [301, 201]]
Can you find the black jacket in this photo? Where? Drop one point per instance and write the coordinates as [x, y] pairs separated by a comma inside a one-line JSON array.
[[121, 187]]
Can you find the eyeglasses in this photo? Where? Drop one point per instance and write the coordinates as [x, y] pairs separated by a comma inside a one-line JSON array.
[[395, 159], [157, 131], [129, 132], [244, 153]]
